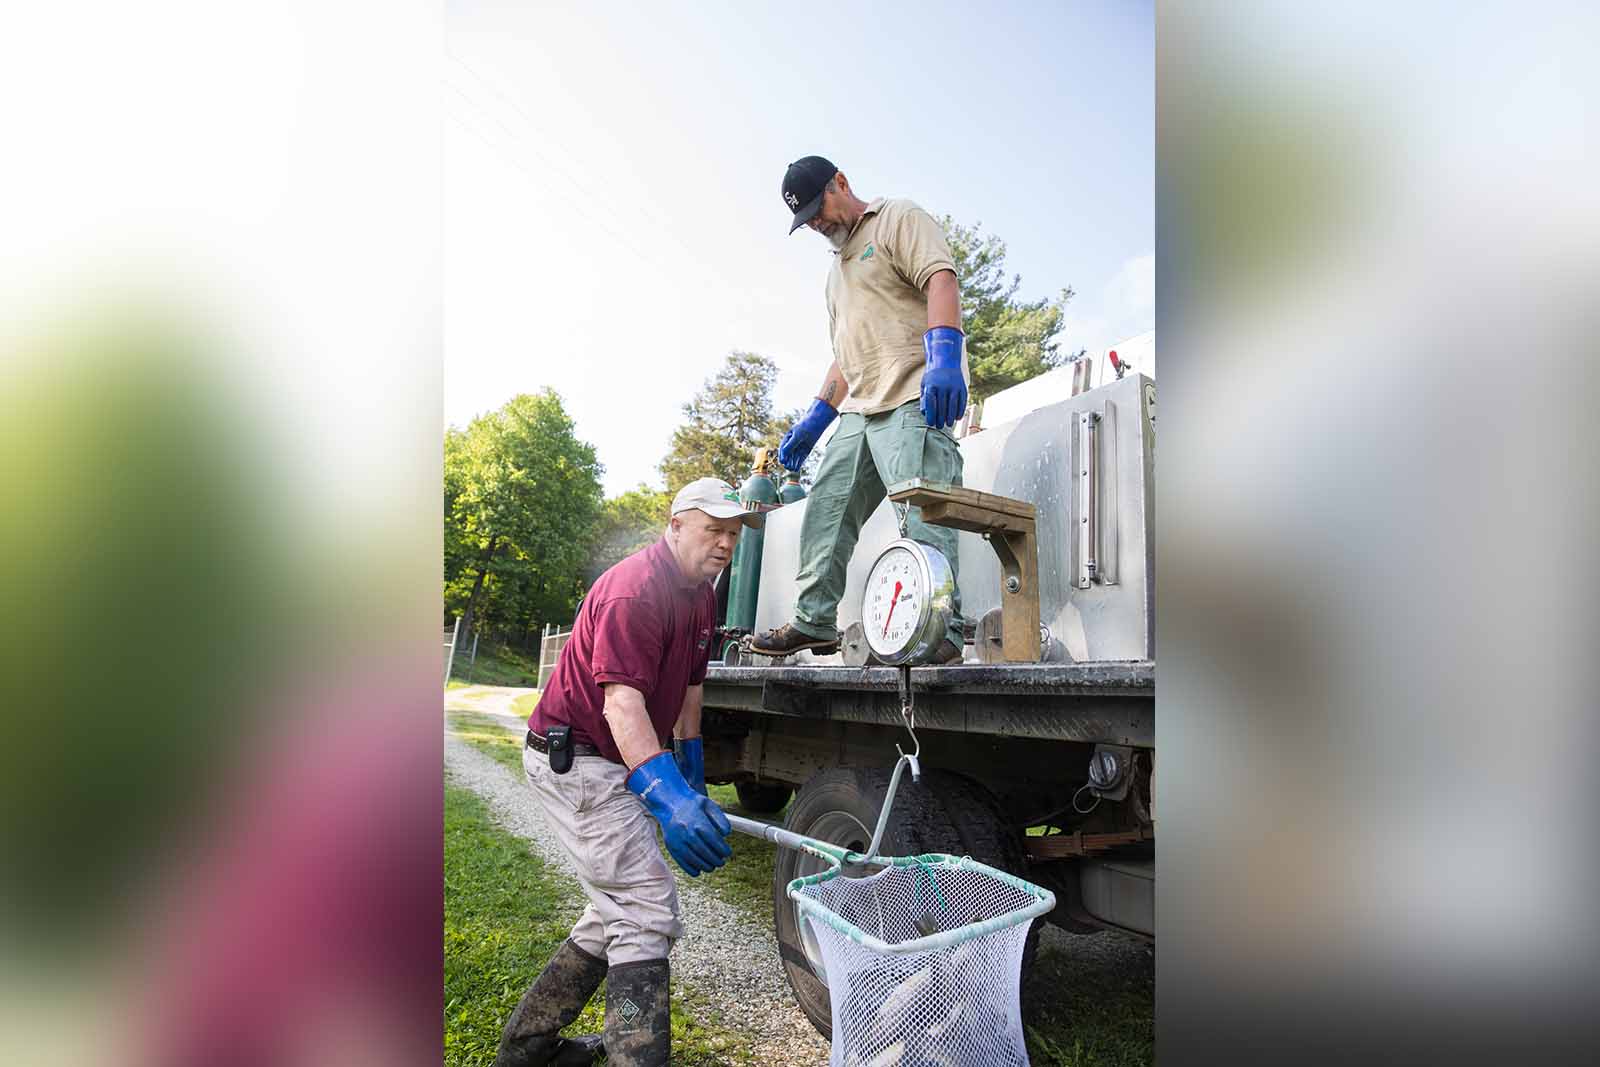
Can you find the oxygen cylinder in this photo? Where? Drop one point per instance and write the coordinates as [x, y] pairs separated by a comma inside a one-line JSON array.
[[745, 582], [791, 490]]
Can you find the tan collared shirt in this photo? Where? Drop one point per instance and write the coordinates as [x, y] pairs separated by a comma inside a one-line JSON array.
[[878, 303]]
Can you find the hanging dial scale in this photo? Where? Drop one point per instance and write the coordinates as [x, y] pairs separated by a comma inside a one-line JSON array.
[[906, 606]]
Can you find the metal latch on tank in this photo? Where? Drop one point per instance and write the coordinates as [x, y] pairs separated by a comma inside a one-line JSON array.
[[1095, 502]]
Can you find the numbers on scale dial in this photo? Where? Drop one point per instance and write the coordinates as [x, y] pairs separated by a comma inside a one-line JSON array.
[[893, 602]]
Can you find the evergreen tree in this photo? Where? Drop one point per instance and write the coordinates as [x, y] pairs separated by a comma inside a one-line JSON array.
[[727, 421]]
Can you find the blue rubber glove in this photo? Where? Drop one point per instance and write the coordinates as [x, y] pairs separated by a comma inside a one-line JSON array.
[[691, 757], [802, 437], [693, 825], [944, 390]]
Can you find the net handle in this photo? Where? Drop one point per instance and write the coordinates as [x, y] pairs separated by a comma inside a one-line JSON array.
[[906, 760], [789, 839]]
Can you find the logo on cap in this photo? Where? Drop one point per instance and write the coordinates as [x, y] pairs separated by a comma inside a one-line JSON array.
[[794, 201]]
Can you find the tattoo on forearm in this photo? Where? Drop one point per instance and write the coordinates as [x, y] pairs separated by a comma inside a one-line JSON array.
[[828, 390]]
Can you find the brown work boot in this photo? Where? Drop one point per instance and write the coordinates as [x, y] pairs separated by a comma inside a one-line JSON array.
[[948, 654], [786, 640]]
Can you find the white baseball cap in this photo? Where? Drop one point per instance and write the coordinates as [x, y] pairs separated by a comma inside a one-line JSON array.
[[716, 498]]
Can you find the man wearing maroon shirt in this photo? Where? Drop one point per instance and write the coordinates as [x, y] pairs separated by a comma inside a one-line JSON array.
[[597, 756]]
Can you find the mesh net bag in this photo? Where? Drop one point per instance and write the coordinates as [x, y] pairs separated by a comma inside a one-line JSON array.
[[923, 960]]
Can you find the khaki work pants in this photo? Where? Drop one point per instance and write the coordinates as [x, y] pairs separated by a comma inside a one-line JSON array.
[[611, 839], [866, 454]]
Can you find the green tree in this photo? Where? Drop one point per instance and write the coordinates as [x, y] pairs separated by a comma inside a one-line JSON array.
[[521, 496], [626, 524], [458, 545], [728, 419], [1008, 340]]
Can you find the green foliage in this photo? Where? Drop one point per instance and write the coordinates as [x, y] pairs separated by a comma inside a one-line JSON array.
[[1008, 340], [496, 664], [728, 419], [521, 494], [626, 524]]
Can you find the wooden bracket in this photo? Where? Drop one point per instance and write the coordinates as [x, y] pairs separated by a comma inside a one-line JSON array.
[[1078, 843], [1008, 526]]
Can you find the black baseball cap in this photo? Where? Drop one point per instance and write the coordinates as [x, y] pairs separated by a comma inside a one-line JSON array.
[[803, 184]]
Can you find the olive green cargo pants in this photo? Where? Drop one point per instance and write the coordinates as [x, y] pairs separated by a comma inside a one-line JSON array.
[[866, 454]]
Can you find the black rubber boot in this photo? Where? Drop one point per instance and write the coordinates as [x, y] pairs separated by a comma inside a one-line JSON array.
[[638, 1015], [532, 1035], [577, 1051]]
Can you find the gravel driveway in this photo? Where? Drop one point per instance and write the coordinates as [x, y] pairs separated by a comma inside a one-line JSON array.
[[723, 955]]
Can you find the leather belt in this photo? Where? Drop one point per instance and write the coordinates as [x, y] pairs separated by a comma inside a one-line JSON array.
[[579, 748]]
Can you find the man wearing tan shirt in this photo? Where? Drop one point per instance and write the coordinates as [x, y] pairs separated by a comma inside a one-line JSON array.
[[898, 381]]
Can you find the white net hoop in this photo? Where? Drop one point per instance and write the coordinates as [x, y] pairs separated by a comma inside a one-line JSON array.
[[923, 960]]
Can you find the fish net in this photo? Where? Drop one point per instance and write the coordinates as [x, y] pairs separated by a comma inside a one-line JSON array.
[[923, 960]]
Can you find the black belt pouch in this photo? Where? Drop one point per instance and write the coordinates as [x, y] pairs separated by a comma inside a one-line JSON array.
[[559, 738]]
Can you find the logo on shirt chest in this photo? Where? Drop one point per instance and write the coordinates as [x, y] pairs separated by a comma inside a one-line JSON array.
[[866, 255]]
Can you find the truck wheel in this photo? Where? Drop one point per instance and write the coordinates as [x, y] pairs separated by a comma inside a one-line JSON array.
[[943, 813], [763, 798]]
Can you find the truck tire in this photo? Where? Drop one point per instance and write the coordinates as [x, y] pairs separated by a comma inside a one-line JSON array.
[[943, 813], [763, 798]]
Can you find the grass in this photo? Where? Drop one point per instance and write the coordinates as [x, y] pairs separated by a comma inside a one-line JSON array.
[[505, 915], [1080, 1009], [1088, 1010], [745, 881], [487, 735], [495, 665]]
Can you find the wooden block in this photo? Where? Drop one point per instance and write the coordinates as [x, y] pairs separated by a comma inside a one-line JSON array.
[[966, 517], [1019, 626], [923, 497]]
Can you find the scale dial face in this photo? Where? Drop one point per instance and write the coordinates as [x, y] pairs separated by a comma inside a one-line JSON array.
[[905, 607], [895, 598]]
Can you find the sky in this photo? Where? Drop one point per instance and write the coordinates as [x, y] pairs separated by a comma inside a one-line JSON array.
[[613, 223]]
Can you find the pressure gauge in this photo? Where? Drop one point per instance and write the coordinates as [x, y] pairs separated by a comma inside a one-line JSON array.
[[906, 609]]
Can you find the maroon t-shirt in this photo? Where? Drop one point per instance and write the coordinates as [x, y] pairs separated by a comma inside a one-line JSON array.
[[642, 625]]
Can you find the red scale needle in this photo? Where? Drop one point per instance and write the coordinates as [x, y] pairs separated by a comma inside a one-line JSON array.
[[892, 603]]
